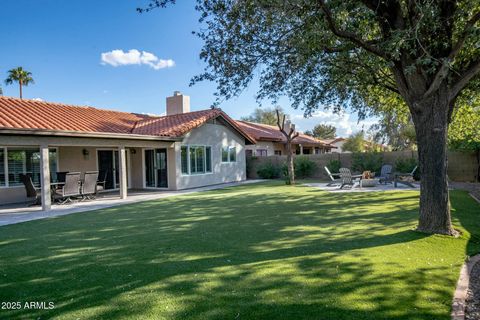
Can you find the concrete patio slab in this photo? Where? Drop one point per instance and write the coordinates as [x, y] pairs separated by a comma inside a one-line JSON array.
[[356, 188], [13, 214]]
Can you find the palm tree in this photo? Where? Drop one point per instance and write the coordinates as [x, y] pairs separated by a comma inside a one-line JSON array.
[[23, 77]]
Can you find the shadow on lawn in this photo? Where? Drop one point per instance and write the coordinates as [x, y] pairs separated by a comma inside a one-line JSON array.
[[231, 253]]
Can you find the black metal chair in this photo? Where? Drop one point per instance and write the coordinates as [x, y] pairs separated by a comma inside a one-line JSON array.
[[32, 192], [70, 189], [89, 185]]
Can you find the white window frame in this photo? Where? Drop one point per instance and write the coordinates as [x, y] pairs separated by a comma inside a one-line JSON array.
[[228, 154], [5, 163], [189, 169]]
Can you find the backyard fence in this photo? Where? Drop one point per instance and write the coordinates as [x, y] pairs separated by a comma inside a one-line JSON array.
[[462, 166]]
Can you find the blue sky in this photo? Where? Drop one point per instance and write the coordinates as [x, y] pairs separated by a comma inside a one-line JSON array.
[[61, 43]]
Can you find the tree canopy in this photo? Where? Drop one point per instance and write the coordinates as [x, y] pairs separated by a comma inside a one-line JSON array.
[[265, 115], [323, 131], [21, 76], [355, 142], [345, 53]]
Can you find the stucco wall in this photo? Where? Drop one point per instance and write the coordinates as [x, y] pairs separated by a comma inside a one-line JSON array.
[[216, 136]]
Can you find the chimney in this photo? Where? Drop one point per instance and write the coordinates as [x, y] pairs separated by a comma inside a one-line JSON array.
[[178, 103]]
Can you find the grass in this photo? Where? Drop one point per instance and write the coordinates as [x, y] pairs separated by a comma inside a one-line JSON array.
[[262, 251]]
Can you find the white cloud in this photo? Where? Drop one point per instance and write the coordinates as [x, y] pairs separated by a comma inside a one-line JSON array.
[[344, 122], [118, 58]]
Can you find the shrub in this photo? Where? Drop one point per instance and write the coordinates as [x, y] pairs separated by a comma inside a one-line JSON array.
[[304, 167], [367, 161], [334, 166], [406, 165], [268, 171]]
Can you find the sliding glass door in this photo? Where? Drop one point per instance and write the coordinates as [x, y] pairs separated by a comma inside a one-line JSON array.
[[156, 174], [108, 168]]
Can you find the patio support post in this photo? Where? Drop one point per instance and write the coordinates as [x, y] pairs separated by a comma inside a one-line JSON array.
[[122, 163], [45, 178], [301, 149]]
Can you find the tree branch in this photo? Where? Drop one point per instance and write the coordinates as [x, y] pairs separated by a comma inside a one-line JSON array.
[[462, 81], [459, 44], [349, 35], [444, 69]]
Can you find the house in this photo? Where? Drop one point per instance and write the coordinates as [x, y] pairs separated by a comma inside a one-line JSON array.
[[131, 151], [338, 143], [270, 141]]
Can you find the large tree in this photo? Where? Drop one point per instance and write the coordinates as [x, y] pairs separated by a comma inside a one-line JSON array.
[[265, 115], [322, 131], [21, 76], [336, 52]]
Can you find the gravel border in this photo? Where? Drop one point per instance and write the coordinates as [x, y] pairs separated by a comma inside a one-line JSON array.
[[463, 295], [472, 308]]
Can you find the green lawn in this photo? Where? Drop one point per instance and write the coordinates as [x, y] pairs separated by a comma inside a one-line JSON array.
[[262, 251]]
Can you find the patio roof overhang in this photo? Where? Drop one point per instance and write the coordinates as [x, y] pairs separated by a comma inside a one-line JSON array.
[[105, 135]]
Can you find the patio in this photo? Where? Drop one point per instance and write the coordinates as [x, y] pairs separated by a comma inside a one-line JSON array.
[[21, 212], [377, 188]]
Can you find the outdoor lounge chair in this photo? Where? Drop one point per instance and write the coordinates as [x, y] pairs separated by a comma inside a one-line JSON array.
[[70, 189], [89, 186], [334, 181], [347, 179], [32, 192], [385, 174], [399, 176]]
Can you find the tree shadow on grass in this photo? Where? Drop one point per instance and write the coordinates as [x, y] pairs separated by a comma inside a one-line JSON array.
[[245, 252]]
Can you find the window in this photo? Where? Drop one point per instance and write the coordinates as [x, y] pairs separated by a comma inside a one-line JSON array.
[[278, 152], [25, 161], [229, 154], [261, 152], [225, 154], [233, 154], [184, 156], [196, 159], [248, 153], [2, 168]]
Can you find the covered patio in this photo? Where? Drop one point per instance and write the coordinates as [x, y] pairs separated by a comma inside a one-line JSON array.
[[122, 164]]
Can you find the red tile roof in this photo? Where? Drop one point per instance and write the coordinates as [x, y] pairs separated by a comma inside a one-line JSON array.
[[39, 115], [272, 133]]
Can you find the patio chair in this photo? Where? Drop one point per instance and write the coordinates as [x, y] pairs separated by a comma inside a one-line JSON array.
[[70, 189], [89, 186], [385, 174], [346, 178], [334, 181], [399, 178], [61, 176], [32, 192]]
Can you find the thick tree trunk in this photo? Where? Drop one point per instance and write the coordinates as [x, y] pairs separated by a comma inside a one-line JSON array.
[[290, 167], [430, 117]]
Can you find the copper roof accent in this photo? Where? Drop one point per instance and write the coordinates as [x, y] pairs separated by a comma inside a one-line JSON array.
[[39, 115], [264, 132]]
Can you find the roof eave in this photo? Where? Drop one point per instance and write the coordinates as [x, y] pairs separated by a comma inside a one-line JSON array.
[[65, 133]]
